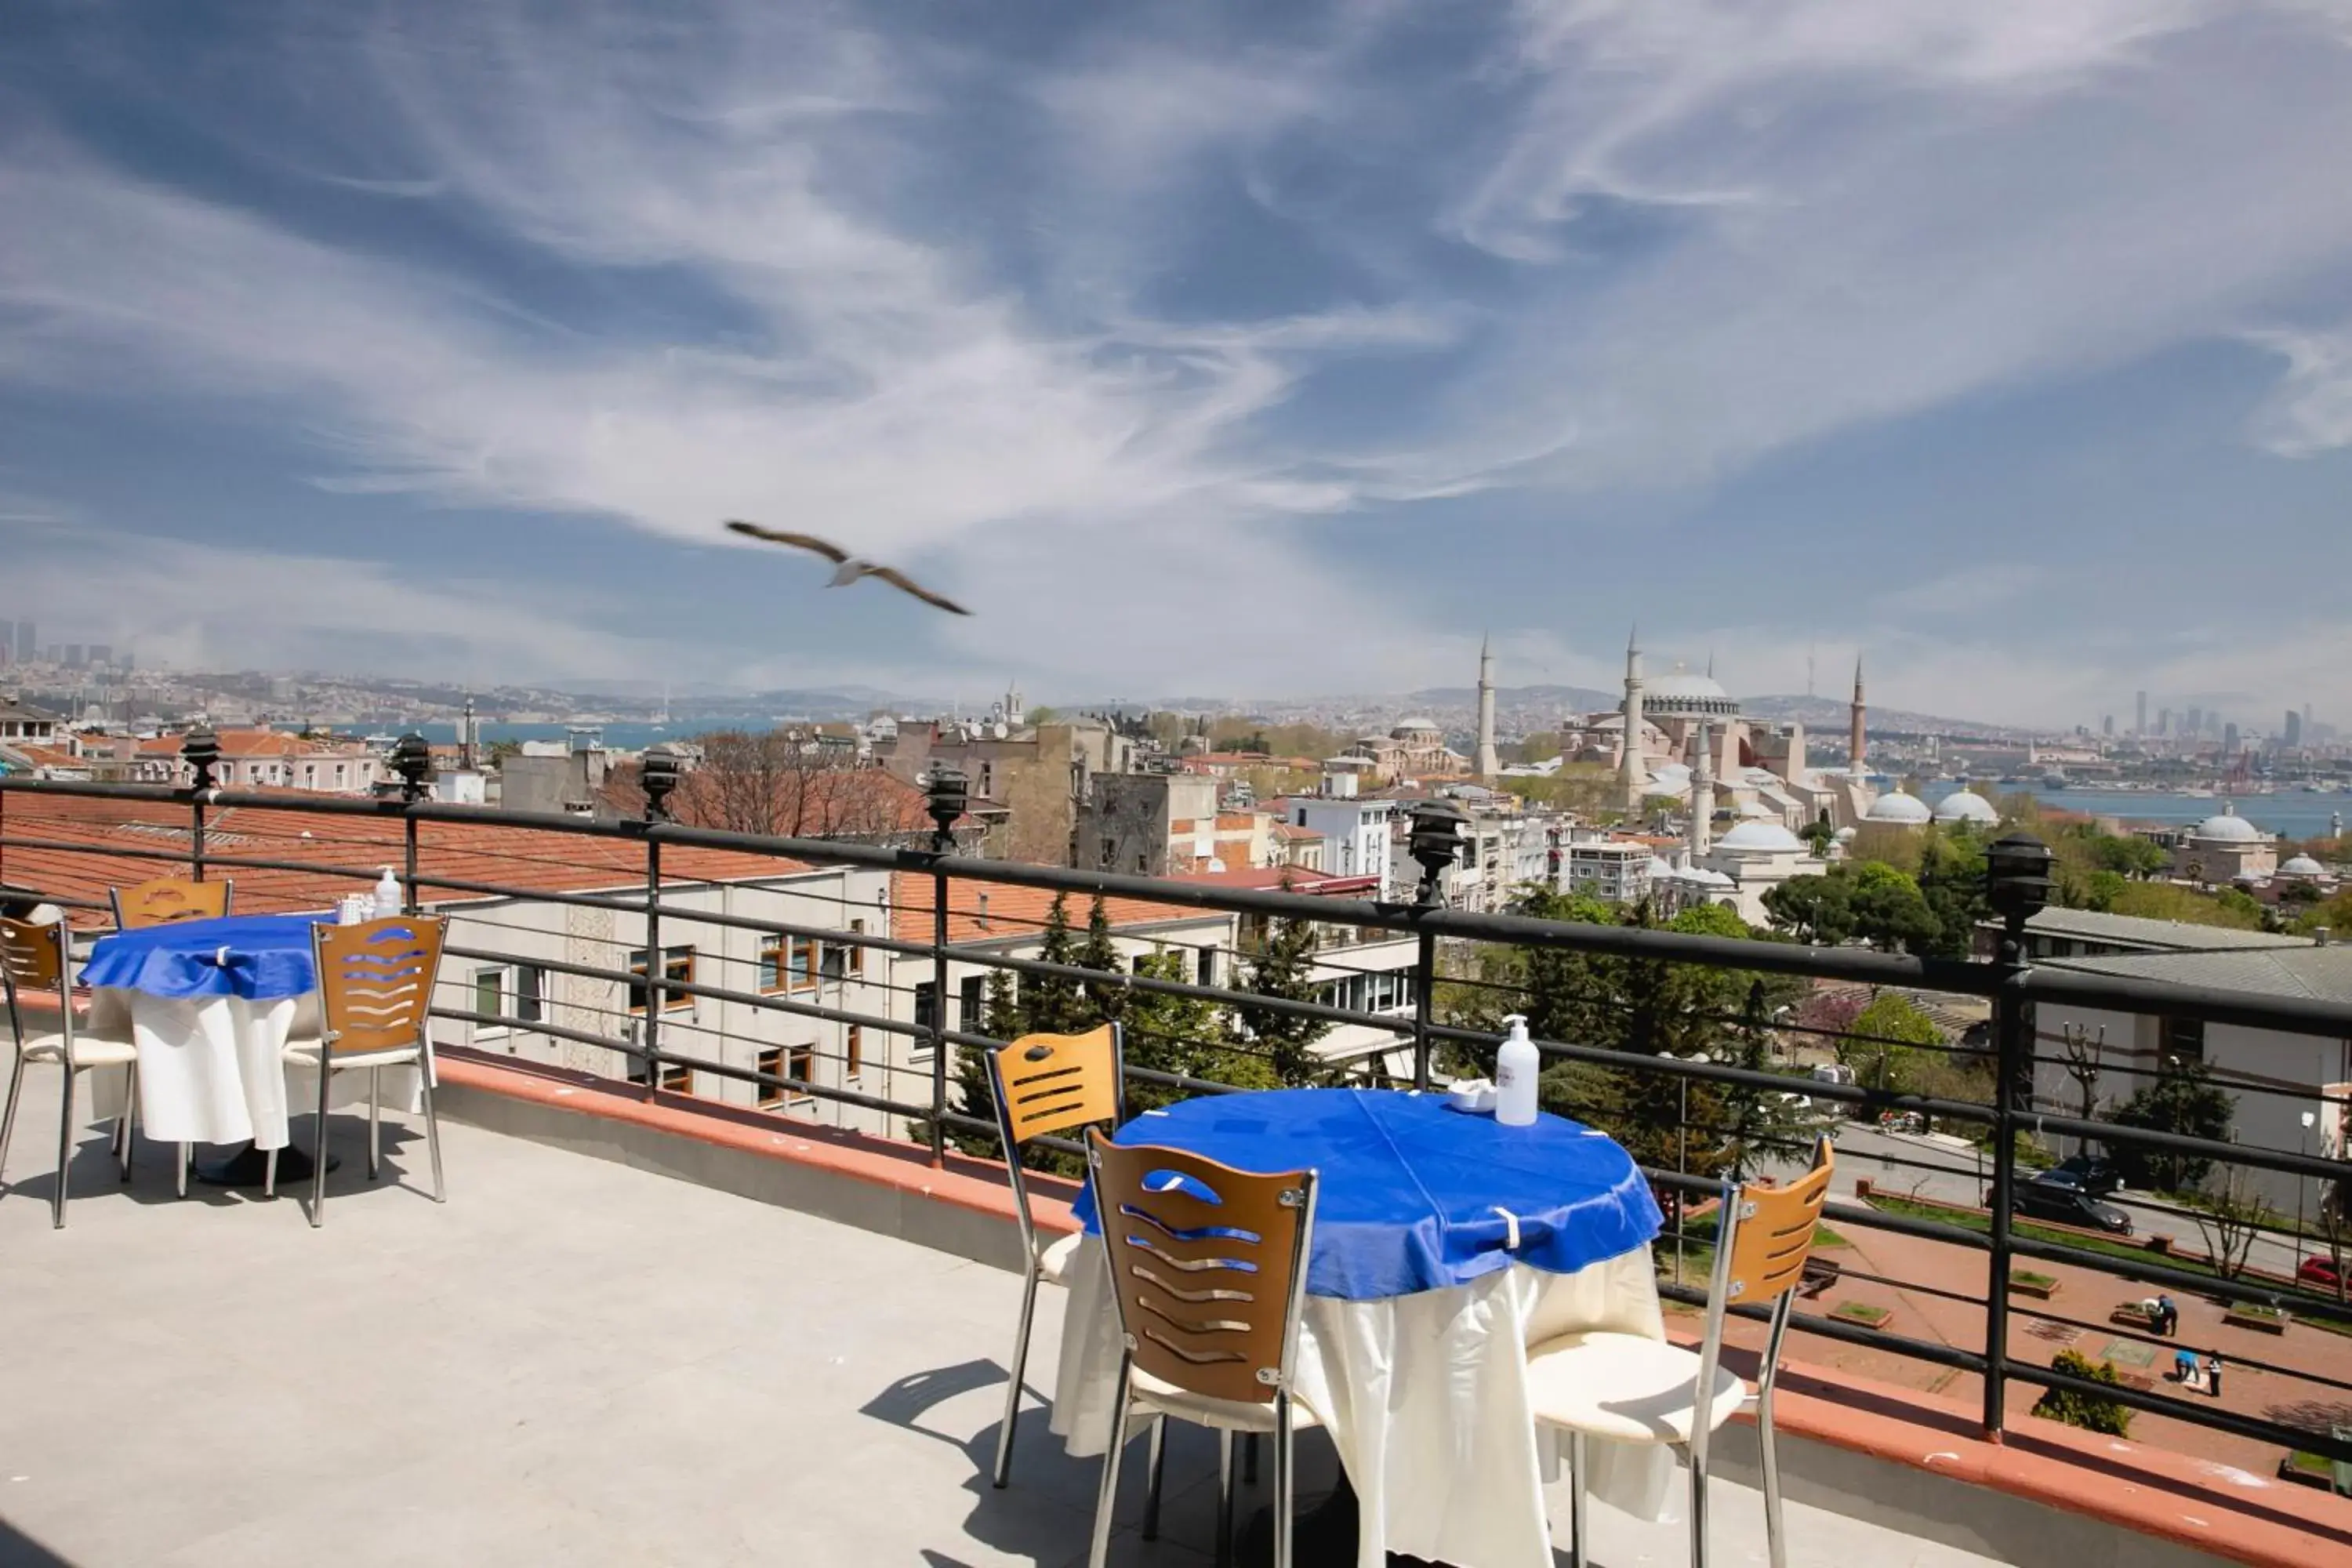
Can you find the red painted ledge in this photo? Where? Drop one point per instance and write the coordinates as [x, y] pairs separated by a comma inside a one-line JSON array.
[[2212, 1508]]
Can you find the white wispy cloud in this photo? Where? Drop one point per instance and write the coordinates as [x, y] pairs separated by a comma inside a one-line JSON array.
[[2310, 411]]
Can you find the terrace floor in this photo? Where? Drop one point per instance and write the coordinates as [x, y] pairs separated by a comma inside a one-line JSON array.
[[573, 1361]]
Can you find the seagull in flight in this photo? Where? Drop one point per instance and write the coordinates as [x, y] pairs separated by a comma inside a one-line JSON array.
[[849, 568]]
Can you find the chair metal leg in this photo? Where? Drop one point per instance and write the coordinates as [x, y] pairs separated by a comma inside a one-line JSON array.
[[319, 1155], [1224, 1497], [1122, 1389], [1576, 1499], [8, 1118], [1012, 1381], [126, 1123], [187, 1158], [1772, 1538], [270, 1174], [433, 1133], [1283, 1478], [375, 1121], [1698, 1507], [1155, 1460], [65, 1151]]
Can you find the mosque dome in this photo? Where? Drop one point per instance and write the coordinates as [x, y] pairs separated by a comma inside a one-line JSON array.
[[1760, 837], [2227, 828], [1418, 722], [1680, 692], [1966, 805], [1845, 834], [2302, 865], [1700, 876], [1906, 810]]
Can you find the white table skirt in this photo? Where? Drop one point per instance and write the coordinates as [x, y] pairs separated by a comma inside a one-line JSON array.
[[212, 1069], [1425, 1396]]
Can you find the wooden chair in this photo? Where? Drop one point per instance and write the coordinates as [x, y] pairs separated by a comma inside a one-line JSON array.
[[36, 960], [1637, 1390], [375, 988], [168, 898], [1044, 1084], [1209, 1280]]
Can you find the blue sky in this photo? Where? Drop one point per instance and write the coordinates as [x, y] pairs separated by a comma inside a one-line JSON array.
[[1262, 350]]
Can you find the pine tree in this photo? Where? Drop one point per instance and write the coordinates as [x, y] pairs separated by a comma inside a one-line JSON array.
[[1284, 968], [1051, 1003], [1181, 1035], [1105, 1000]]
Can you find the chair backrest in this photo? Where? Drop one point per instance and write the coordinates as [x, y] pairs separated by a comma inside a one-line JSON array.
[[1761, 1260], [1045, 1084], [1209, 1275], [1050, 1083], [375, 981], [168, 898], [33, 961]]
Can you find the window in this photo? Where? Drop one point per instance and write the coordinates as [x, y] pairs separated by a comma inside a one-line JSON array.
[[852, 1052], [834, 962], [1143, 864], [678, 967], [800, 1066], [855, 951], [973, 995], [2185, 1038], [927, 1008], [1109, 852], [1208, 966], [804, 963], [490, 992], [772, 1066], [529, 982], [509, 991], [677, 1080], [771, 963], [792, 1064]]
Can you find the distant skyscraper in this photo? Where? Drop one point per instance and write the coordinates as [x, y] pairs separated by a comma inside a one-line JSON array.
[[102, 654], [2140, 725], [2196, 725], [2229, 739], [7, 641], [25, 642], [2294, 736], [73, 655], [2163, 720]]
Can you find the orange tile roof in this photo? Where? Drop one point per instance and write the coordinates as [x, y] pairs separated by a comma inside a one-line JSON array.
[[489, 852], [1013, 912]]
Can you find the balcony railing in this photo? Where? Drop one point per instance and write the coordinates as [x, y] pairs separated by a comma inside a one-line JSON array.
[[48, 848]]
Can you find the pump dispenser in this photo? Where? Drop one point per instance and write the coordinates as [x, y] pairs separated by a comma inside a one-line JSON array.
[[1516, 1065]]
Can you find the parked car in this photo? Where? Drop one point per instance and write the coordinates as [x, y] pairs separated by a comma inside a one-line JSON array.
[[2040, 1199], [2319, 1273], [2093, 1173]]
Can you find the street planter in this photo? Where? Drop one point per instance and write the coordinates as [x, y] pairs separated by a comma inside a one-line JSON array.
[[2262, 1320], [2026, 1282], [1861, 1316]]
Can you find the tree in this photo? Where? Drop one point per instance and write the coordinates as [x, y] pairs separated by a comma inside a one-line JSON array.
[[1819, 835], [1052, 1004], [1818, 909], [2085, 1062], [1888, 1042], [1105, 1000], [2129, 856], [975, 1096], [1283, 969], [2229, 1220], [1951, 878], [2088, 1411], [2170, 901], [1181, 1035], [1889, 910], [2184, 1101], [1759, 1123]]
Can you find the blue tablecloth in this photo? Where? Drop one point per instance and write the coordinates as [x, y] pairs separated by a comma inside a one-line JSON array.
[[1411, 1189], [268, 956]]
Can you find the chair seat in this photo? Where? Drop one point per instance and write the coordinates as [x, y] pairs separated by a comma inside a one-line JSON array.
[[1053, 1262], [1151, 1393], [89, 1050], [1625, 1386], [305, 1053]]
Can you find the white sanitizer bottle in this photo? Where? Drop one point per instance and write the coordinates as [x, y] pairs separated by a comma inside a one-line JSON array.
[[1516, 1065], [387, 895]]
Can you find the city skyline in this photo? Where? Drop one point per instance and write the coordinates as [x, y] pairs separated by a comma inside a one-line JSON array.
[[1195, 347]]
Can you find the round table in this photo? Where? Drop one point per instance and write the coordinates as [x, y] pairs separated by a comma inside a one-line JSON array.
[[1444, 1244], [211, 1003]]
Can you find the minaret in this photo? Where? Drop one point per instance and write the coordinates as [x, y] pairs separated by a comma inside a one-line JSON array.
[[1702, 798], [1857, 752], [468, 735], [1488, 763], [1632, 774]]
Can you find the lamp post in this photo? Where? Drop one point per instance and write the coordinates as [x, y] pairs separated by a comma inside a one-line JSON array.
[[2303, 1147], [2017, 884], [200, 749], [945, 794], [1435, 838]]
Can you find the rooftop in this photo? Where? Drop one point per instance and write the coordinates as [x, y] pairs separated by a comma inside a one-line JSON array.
[[2169, 936], [573, 1361], [2323, 973]]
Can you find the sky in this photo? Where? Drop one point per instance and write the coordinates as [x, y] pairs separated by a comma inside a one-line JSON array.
[[1200, 348]]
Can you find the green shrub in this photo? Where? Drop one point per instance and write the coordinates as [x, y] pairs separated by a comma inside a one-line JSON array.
[[2087, 1411]]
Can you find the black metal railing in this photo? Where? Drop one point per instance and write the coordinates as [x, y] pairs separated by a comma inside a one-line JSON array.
[[38, 835]]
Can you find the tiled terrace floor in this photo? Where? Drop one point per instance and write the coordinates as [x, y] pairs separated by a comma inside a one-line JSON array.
[[572, 1362]]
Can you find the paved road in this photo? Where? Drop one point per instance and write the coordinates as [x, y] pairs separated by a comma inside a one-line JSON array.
[[1963, 1176]]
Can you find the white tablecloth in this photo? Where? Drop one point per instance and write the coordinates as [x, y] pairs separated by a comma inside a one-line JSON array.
[[1425, 1397], [212, 1068]]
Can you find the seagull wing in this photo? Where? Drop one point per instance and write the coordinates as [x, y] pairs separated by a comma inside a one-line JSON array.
[[899, 580], [831, 552]]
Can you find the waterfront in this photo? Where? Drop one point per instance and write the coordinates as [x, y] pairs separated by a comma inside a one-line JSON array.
[[2296, 812], [629, 736]]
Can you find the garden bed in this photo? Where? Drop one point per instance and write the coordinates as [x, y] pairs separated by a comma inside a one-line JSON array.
[[2026, 1282], [1861, 1315], [2262, 1320]]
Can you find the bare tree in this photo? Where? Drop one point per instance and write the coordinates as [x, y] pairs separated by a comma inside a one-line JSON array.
[[2083, 1053], [2337, 1227], [2229, 1220], [789, 783]]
